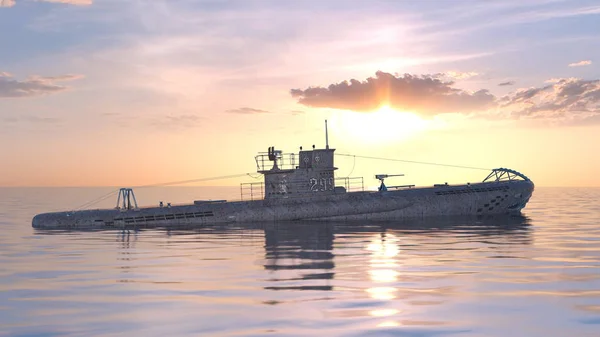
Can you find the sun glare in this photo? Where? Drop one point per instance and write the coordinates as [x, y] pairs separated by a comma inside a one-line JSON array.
[[383, 125]]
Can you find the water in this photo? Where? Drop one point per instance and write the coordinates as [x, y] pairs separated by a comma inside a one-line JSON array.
[[537, 275]]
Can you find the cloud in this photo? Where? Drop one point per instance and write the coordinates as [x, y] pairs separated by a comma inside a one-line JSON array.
[[425, 94], [247, 111], [10, 3], [71, 2], [588, 120], [183, 120], [568, 99], [165, 122], [503, 84], [460, 75], [42, 120], [468, 20], [68, 77], [32, 119], [170, 122], [580, 63], [33, 86], [253, 111]]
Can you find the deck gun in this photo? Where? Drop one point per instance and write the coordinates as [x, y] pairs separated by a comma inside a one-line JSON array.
[[381, 177]]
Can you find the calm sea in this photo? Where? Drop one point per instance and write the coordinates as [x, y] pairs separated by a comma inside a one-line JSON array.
[[535, 275]]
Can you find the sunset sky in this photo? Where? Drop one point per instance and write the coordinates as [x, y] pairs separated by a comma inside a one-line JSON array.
[[116, 93]]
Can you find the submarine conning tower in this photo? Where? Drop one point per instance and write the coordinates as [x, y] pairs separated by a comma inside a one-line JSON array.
[[310, 172]]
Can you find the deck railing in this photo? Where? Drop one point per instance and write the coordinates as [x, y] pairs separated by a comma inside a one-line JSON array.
[[285, 161], [351, 184], [256, 190], [252, 191]]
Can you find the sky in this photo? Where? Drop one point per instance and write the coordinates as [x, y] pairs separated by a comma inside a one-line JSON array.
[[129, 93]]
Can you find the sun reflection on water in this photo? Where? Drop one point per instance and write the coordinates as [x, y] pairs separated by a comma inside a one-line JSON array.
[[383, 275], [388, 324], [383, 312], [382, 293], [383, 264], [383, 270]]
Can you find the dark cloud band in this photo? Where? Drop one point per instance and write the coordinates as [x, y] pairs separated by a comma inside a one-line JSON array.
[[504, 84], [33, 86], [247, 111]]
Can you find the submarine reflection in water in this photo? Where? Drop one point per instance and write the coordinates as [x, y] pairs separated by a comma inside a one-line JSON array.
[[302, 255], [348, 256]]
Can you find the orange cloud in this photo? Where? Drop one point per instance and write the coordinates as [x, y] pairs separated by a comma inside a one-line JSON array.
[[565, 100], [426, 94]]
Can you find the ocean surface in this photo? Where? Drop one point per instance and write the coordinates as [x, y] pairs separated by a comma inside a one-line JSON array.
[[534, 275]]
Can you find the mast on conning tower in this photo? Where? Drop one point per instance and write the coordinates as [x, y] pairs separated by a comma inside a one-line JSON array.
[[326, 137]]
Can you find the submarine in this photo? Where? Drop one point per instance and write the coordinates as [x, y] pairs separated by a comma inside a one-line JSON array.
[[303, 186]]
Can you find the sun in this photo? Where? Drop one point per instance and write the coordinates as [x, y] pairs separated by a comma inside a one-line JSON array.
[[383, 125]]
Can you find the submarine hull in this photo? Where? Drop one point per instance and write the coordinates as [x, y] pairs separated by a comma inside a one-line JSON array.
[[499, 197]]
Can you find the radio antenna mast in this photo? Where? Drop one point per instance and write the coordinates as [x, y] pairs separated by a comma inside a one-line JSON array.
[[326, 136]]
